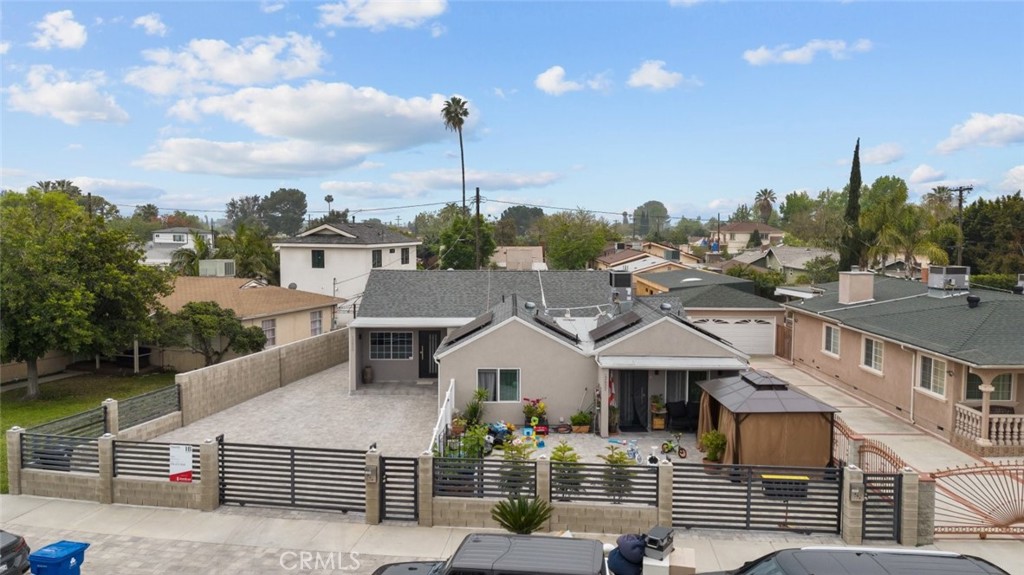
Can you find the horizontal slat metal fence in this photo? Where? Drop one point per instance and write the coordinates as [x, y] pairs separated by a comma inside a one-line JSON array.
[[59, 453], [803, 499], [91, 423], [464, 477], [141, 459], [301, 477], [882, 495], [148, 406], [635, 485], [399, 478]]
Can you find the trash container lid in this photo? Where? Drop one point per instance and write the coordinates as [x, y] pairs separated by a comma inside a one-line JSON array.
[[59, 550]]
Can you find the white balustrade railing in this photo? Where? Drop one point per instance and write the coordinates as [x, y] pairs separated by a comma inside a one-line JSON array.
[[444, 419], [1002, 429]]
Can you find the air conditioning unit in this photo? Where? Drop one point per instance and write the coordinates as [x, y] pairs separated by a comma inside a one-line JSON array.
[[1020, 280], [945, 281], [217, 268]]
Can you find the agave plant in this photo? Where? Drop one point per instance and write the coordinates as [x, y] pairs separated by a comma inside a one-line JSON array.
[[520, 515]]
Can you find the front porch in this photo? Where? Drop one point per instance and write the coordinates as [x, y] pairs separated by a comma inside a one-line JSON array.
[[980, 430]]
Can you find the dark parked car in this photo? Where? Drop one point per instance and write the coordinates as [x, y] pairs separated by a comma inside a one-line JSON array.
[[494, 553], [13, 554], [864, 561]]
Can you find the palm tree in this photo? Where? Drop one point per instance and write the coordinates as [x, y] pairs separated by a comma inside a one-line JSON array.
[[185, 261], [764, 202], [909, 233], [454, 114], [330, 200], [253, 254]]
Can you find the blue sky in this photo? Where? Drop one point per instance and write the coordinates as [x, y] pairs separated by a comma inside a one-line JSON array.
[[601, 105]]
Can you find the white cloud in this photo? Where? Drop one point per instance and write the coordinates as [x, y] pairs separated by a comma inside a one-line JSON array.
[[249, 159], [552, 81], [50, 92], [600, 82], [652, 74], [881, 154], [207, 65], [151, 23], [994, 130], [805, 54], [925, 173], [685, 3], [59, 29], [4, 47], [415, 184], [269, 7], [380, 14], [114, 190], [1014, 180], [74, 147], [437, 30]]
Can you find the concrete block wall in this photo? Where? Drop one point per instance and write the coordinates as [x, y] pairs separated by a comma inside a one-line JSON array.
[[925, 510], [313, 355], [463, 512], [60, 484], [152, 428], [603, 518], [158, 493]]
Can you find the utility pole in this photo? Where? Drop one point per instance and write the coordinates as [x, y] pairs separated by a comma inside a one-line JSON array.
[[960, 191], [399, 224], [478, 227]]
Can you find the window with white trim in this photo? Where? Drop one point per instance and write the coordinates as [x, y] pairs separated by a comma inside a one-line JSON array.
[[682, 385], [831, 339], [178, 238], [405, 256], [1002, 382], [500, 384], [932, 375], [378, 258], [316, 322], [270, 330], [872, 354], [391, 345]]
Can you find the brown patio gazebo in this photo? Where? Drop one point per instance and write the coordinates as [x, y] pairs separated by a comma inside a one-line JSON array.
[[766, 422]]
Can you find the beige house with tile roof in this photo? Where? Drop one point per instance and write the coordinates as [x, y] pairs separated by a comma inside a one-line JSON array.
[[285, 315]]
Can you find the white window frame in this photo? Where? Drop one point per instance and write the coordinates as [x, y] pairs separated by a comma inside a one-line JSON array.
[[405, 256], [316, 322], [178, 238], [1011, 393], [269, 327], [934, 381], [826, 340], [377, 259], [391, 351], [877, 351], [497, 372]]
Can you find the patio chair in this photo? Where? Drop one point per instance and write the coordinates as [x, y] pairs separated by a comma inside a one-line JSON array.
[[679, 416]]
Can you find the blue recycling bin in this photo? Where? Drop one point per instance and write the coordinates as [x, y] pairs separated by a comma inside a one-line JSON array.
[[60, 558]]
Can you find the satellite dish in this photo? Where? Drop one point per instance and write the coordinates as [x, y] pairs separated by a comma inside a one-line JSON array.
[[293, 286]]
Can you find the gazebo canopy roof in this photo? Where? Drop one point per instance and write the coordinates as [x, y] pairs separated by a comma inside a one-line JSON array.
[[758, 392]]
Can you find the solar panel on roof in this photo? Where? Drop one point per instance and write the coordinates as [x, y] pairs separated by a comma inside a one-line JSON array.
[[615, 326], [470, 328], [550, 324]]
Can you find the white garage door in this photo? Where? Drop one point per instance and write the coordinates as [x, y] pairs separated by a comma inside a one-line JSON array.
[[755, 336]]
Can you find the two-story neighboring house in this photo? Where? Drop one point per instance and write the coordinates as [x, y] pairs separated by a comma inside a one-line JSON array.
[[165, 242], [336, 259], [735, 236]]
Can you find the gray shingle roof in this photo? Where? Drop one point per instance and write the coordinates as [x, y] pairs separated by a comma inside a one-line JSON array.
[[797, 258], [689, 279], [365, 234], [714, 296], [988, 335], [469, 293]]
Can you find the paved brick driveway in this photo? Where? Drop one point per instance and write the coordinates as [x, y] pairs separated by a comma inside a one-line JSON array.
[[318, 412]]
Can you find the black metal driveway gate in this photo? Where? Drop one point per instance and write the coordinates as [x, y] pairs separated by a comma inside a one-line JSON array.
[[284, 476]]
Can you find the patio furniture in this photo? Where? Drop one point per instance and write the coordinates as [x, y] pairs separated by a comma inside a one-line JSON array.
[[682, 417]]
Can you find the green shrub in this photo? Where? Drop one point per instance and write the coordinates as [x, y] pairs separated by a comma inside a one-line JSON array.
[[998, 281], [570, 478], [581, 418], [713, 443], [474, 412], [520, 515], [617, 475]]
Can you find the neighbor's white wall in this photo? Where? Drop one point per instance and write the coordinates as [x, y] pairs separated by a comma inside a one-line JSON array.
[[349, 265]]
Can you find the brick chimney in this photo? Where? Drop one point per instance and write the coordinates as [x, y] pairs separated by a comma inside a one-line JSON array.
[[856, 286]]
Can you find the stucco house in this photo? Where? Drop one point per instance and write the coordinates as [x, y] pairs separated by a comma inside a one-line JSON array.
[[284, 315], [160, 249], [556, 334], [336, 259], [735, 236], [941, 355], [792, 261], [519, 258]]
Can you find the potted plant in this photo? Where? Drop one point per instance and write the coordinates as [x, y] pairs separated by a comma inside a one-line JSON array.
[[535, 408], [474, 412], [458, 426], [658, 411], [713, 444], [581, 421]]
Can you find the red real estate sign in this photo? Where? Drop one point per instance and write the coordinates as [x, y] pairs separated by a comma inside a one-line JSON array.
[[181, 463]]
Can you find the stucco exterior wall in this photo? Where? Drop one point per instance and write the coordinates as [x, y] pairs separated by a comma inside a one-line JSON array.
[[778, 316], [345, 268], [547, 369], [665, 338], [52, 362]]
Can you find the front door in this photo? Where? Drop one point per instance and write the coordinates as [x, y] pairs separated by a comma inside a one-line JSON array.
[[633, 403], [429, 340]]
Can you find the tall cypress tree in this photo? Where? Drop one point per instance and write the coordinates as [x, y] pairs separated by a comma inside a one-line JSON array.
[[850, 253]]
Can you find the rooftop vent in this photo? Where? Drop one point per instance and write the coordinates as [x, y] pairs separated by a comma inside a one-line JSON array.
[[973, 301], [666, 307], [530, 305], [947, 281]]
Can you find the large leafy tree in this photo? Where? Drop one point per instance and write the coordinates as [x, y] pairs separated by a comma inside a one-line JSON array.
[[70, 282], [146, 213], [764, 203], [524, 218], [253, 253], [284, 211], [181, 219], [454, 114], [852, 251], [458, 243], [650, 218], [573, 239], [743, 213], [210, 330], [245, 211], [331, 217], [994, 235]]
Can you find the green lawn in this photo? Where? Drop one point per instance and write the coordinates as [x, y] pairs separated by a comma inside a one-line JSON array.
[[67, 397]]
